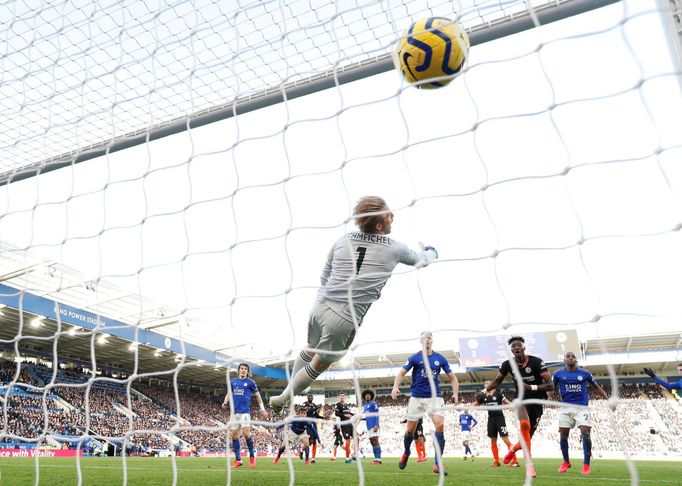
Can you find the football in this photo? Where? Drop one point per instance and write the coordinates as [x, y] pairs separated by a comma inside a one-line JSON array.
[[432, 52]]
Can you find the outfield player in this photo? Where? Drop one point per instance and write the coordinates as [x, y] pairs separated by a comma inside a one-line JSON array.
[[358, 266], [298, 430], [466, 423], [313, 413], [571, 382], [342, 411], [675, 387], [536, 383], [421, 400], [338, 438], [371, 410], [242, 389], [496, 422]]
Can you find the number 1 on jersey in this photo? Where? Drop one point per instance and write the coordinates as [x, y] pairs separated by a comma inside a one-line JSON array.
[[361, 257]]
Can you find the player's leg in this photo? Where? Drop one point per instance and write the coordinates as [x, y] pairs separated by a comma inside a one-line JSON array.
[[501, 430], [314, 438], [438, 419], [563, 443], [280, 451], [302, 361], [525, 426], [347, 431], [492, 435], [420, 445], [234, 435], [583, 422], [376, 447], [335, 337], [415, 411], [305, 443], [246, 432]]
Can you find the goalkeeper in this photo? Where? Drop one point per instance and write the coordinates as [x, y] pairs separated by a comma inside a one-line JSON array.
[[676, 386], [357, 267]]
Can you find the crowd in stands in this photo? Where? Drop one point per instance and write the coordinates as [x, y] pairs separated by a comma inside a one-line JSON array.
[[153, 418]]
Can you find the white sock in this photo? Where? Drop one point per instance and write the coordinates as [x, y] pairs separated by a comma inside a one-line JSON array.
[[301, 360], [301, 380]]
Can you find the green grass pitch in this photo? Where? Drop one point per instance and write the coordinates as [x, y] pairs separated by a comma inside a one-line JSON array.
[[210, 471]]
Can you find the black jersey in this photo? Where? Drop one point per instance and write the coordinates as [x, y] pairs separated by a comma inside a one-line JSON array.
[[313, 410], [342, 410], [532, 371], [490, 401]]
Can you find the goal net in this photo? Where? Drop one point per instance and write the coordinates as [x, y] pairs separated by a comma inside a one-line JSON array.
[[174, 174]]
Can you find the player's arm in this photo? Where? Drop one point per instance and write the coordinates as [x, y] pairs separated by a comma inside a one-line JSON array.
[[261, 405], [474, 421], [418, 259], [455, 386], [327, 269], [495, 383], [600, 391], [546, 385], [396, 383], [668, 386], [226, 401]]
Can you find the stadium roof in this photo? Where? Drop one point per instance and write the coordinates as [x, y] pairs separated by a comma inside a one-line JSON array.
[[143, 318]]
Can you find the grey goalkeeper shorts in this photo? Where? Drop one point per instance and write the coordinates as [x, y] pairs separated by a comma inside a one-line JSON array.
[[329, 334]]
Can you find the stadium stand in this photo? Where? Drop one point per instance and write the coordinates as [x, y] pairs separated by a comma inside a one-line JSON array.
[[648, 422]]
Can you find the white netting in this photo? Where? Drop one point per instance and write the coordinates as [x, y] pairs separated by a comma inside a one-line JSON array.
[[547, 175], [118, 68]]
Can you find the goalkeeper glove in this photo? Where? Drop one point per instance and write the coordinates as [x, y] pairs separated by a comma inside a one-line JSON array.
[[649, 372], [427, 248]]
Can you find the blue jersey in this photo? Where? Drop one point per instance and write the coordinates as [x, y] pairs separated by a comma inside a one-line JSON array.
[[466, 420], [371, 407], [420, 381], [299, 427], [572, 385], [677, 386], [241, 394]]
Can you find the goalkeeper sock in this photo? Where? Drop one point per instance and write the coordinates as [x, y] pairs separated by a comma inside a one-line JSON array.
[[496, 451], [347, 448], [334, 451], [420, 450], [314, 450], [587, 448], [301, 360], [301, 380], [280, 452], [563, 441]]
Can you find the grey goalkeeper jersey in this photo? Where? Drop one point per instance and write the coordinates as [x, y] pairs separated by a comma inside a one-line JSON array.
[[357, 268]]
